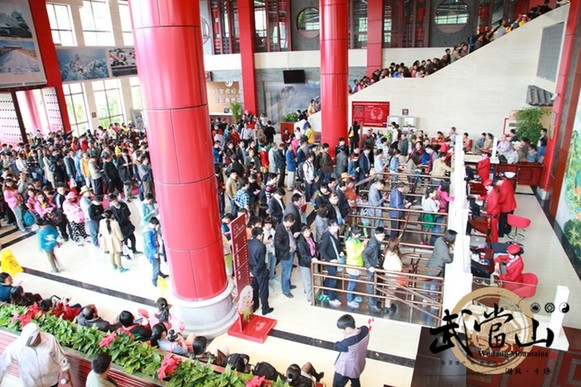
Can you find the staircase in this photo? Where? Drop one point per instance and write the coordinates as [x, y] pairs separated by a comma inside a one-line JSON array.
[[475, 93]]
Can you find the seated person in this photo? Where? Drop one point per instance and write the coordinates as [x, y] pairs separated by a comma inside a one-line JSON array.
[[89, 317], [132, 328], [20, 298], [510, 267], [218, 357], [5, 287], [60, 308], [169, 341], [303, 377]]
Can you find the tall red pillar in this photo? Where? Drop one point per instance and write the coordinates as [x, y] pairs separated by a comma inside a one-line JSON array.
[[49, 58], [334, 69], [374, 35], [554, 151], [168, 43], [246, 23]]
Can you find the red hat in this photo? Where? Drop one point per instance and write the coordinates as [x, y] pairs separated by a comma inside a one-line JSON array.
[[486, 151], [513, 249], [487, 183]]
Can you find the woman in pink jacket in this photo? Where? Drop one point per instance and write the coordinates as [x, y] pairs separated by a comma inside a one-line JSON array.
[[14, 200], [76, 217], [44, 207]]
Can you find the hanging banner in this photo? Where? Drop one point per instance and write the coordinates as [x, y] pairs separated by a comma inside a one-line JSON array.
[[20, 61], [370, 114]]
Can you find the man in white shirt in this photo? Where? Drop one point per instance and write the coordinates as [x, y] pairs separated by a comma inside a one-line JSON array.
[[40, 358]]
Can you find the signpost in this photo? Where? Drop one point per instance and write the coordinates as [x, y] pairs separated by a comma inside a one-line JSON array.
[[248, 326]]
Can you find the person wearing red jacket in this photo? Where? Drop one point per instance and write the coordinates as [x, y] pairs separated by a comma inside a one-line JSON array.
[[483, 167], [510, 267], [507, 204], [492, 208]]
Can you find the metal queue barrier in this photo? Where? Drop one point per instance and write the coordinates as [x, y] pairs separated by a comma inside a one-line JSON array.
[[419, 292]]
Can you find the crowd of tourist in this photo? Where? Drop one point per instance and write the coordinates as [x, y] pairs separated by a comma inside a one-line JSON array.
[[424, 67]]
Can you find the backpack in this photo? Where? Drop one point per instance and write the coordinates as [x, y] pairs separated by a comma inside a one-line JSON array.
[[28, 218], [239, 362], [267, 370], [300, 174]]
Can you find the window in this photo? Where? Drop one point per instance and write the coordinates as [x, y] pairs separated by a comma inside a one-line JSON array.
[[452, 12], [125, 17], [96, 21], [308, 23], [61, 24], [109, 102], [270, 22], [76, 107], [136, 93], [225, 26], [387, 25], [358, 36]]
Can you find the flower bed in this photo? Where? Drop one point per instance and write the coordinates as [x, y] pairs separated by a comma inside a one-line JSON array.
[[138, 363]]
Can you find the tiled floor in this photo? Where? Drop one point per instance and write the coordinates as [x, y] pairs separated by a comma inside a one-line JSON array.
[[303, 333]]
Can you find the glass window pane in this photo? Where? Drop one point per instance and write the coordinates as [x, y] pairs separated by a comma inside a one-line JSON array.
[[56, 38], [90, 38], [87, 16], [67, 38], [51, 16], [114, 102], [75, 88], [101, 103], [63, 18], [128, 38], [111, 84], [105, 39]]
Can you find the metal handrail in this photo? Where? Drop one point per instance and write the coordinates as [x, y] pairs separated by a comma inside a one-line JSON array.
[[412, 294]]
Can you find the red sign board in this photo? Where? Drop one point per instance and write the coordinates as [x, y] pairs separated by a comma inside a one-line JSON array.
[[240, 252], [371, 114]]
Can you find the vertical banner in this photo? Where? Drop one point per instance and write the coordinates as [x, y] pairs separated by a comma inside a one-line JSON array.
[[240, 254], [370, 114]]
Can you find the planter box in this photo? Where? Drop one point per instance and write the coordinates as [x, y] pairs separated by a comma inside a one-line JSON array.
[[81, 366]]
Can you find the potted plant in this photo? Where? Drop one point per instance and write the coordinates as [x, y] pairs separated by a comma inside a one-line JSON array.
[[235, 110], [288, 122], [528, 123]]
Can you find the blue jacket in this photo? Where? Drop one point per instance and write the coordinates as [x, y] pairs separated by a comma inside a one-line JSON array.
[[47, 236], [291, 161], [396, 201], [151, 246]]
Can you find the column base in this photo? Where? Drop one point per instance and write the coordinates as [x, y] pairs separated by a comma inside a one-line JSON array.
[[209, 318], [542, 194]]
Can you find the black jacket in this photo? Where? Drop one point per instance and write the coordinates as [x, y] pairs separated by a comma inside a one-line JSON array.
[[257, 258], [110, 171], [343, 203], [304, 251], [276, 211], [96, 212], [372, 253], [279, 160], [123, 217], [328, 252], [98, 323], [125, 172], [281, 243]]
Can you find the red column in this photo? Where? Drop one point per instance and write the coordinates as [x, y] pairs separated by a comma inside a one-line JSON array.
[[566, 56], [49, 58], [374, 35], [334, 69], [168, 43], [32, 111], [246, 23]]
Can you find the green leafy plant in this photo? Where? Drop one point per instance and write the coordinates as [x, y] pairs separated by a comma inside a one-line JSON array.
[[290, 117], [132, 355], [235, 110], [528, 123]]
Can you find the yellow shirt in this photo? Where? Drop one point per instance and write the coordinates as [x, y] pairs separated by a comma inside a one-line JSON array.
[[310, 133]]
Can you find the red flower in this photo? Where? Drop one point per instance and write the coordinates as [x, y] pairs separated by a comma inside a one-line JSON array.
[[24, 319], [168, 366], [258, 381], [107, 340]]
